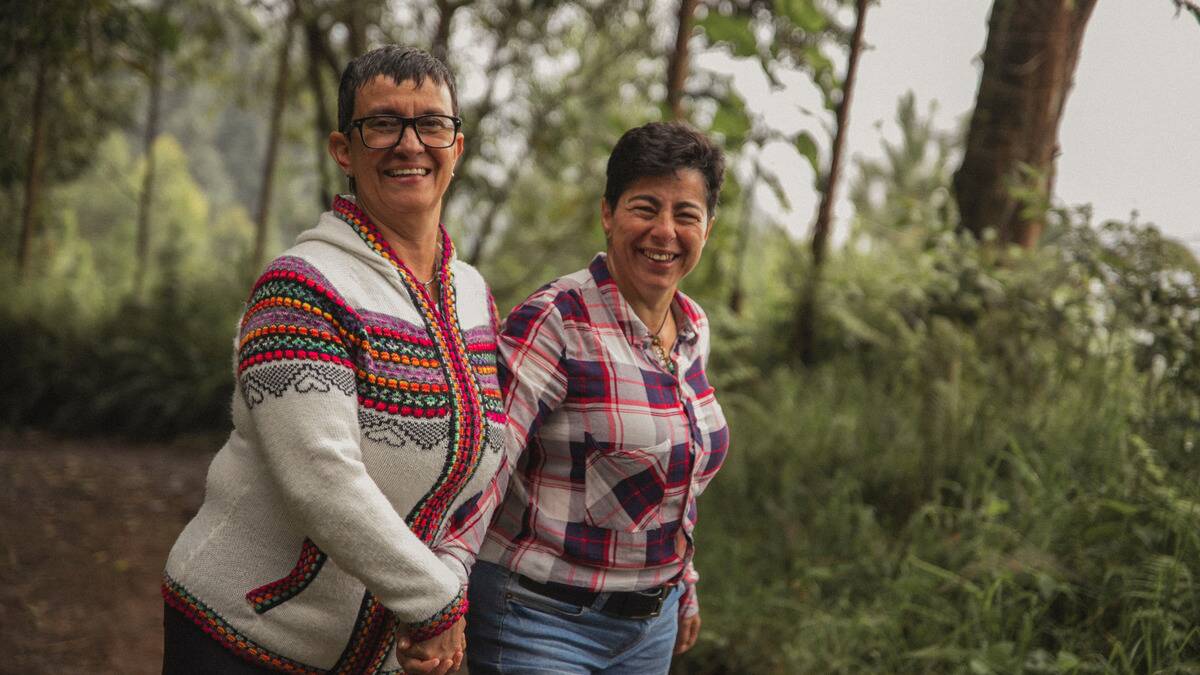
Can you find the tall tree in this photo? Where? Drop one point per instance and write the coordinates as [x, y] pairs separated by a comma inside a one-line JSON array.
[[1007, 172], [154, 77], [806, 317], [33, 172], [274, 131], [677, 66]]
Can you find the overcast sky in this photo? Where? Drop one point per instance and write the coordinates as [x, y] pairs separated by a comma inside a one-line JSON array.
[[1130, 135]]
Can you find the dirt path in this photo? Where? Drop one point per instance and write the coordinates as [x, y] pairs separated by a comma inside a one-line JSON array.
[[85, 527]]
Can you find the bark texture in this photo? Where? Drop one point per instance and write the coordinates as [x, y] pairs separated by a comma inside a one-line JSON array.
[[806, 316], [33, 165], [278, 102], [146, 197], [1028, 65], [677, 66]]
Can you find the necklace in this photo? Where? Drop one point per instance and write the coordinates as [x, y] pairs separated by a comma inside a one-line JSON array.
[[657, 343]]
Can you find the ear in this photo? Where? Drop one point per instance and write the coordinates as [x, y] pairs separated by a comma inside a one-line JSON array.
[[339, 150], [459, 144], [711, 221], [606, 218]]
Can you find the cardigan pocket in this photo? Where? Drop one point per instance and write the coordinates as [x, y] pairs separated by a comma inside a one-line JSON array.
[[277, 592], [625, 487]]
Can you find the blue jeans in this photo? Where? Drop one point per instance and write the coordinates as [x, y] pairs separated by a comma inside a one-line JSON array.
[[511, 629]]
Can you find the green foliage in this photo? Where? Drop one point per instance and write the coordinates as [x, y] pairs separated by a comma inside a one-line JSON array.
[[991, 471]]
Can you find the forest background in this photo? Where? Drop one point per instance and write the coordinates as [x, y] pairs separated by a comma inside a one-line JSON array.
[[964, 438]]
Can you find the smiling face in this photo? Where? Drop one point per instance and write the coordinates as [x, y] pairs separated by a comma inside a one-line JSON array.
[[402, 188], [656, 232]]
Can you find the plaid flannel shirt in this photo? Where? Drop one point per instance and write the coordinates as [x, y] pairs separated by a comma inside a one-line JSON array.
[[607, 451]]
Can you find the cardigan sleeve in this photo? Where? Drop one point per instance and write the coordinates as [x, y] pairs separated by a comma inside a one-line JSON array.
[[297, 377]]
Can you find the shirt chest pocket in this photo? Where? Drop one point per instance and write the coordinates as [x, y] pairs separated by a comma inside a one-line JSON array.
[[625, 488]]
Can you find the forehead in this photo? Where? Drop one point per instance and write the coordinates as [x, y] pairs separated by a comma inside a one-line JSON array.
[[682, 185], [382, 94]]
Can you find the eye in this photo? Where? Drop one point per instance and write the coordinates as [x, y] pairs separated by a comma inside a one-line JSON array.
[[434, 123], [689, 217], [383, 124]]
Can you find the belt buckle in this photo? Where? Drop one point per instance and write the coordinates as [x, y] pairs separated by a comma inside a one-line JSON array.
[[658, 603]]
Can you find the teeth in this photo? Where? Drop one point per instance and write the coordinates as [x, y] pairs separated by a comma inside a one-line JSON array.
[[659, 257], [407, 172]]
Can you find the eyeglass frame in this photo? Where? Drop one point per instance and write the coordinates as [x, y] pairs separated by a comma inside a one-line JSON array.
[[405, 123]]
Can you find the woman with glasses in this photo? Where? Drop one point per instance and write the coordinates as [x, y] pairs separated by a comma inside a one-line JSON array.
[[367, 413]]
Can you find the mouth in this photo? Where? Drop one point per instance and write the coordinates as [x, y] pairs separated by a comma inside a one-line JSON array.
[[407, 171], [658, 256]]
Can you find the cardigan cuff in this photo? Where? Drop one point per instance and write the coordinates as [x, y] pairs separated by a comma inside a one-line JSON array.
[[442, 621]]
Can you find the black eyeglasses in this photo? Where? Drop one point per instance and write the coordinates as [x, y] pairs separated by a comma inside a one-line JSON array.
[[383, 132]]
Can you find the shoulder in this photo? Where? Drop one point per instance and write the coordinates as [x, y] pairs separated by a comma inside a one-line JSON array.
[[560, 302], [467, 278], [693, 311]]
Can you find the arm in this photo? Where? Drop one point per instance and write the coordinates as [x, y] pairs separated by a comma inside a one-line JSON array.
[[298, 379], [532, 349], [689, 612]]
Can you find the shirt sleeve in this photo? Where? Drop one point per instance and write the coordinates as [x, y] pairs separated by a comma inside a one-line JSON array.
[[532, 350], [297, 377], [689, 602]]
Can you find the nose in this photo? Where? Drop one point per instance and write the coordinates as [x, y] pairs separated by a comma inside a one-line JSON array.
[[409, 143], [663, 229]]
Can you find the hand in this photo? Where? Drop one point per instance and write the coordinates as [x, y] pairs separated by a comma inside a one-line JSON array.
[[689, 629], [438, 655]]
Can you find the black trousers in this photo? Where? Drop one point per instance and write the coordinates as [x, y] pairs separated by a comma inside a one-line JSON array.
[[187, 650]]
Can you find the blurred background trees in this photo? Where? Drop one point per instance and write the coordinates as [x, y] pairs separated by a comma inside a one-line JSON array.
[[986, 462]]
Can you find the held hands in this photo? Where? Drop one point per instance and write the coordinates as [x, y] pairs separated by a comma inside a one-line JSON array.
[[440, 654], [689, 629]]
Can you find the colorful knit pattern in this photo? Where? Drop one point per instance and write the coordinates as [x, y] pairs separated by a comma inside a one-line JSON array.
[[405, 374], [273, 594], [217, 628], [442, 621], [462, 391], [372, 638], [481, 351], [293, 314]]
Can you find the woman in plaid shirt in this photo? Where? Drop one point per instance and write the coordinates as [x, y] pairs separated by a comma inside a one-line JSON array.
[[614, 431]]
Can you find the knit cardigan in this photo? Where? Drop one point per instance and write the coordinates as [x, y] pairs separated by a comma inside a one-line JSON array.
[[364, 418]]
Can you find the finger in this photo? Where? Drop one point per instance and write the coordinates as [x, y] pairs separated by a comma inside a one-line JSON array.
[[417, 666], [693, 633], [458, 658]]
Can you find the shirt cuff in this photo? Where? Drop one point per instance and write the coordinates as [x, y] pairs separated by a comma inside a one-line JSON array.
[[689, 602], [442, 621]]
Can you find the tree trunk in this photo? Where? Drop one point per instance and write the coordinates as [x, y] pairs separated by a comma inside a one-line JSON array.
[[33, 173], [322, 123], [440, 46], [356, 27], [737, 292], [677, 66], [146, 198], [806, 317], [273, 133], [1028, 65]]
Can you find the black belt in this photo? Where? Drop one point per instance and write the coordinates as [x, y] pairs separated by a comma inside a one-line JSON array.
[[625, 604]]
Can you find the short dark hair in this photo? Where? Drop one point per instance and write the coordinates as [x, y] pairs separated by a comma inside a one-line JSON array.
[[401, 64], [661, 148]]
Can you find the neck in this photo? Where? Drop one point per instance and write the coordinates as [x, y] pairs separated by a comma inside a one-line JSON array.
[[414, 241], [649, 306]]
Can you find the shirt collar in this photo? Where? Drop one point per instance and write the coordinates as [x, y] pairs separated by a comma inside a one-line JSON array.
[[686, 313]]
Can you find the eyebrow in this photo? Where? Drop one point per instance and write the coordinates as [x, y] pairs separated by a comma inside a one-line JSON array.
[[657, 203]]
